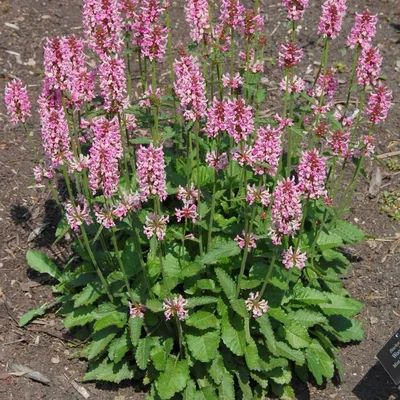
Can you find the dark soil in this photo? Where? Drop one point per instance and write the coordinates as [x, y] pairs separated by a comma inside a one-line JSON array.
[[25, 206]]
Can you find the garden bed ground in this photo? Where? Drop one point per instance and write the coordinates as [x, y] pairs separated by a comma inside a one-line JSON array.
[[25, 207]]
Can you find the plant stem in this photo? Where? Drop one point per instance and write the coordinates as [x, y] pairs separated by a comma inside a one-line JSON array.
[[197, 129], [353, 73], [266, 280]]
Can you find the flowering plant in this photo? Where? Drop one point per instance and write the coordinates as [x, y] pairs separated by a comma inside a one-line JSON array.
[[206, 235]]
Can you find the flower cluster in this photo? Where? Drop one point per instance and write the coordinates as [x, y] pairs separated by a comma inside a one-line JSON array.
[[339, 141], [218, 161], [78, 213], [188, 195], [232, 14], [326, 84], [190, 87], [369, 66], [330, 23], [289, 55], [240, 123], [176, 306], [129, 202], [258, 195], [17, 102], [258, 307], [156, 226], [363, 30], [250, 238], [151, 172], [137, 310], [216, 118], [232, 81], [198, 18], [295, 8], [293, 258], [312, 174], [379, 104], [286, 210], [105, 153]]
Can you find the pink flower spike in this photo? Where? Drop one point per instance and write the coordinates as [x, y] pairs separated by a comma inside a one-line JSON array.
[[240, 123], [40, 172], [217, 118], [295, 8], [232, 82], [137, 310], [369, 66], [292, 259], [330, 23], [188, 194], [379, 104], [339, 140], [289, 55], [198, 18], [258, 195], [241, 241], [297, 86], [259, 307], [369, 142], [17, 102], [363, 30], [78, 214], [244, 156], [188, 211], [129, 202], [175, 307], [232, 14], [219, 162], [156, 226], [105, 216]]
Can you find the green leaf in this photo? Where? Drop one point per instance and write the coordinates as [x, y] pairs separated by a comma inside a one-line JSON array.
[[266, 330], [307, 295], [350, 233], [226, 282], [329, 240], [109, 372], [100, 342], [32, 314], [286, 351], [118, 348], [345, 329], [88, 295], [203, 320], [252, 357], [217, 369], [135, 329], [159, 354], [340, 305], [41, 263], [206, 393], [239, 305], [233, 335], [229, 249], [143, 349], [173, 379], [319, 362], [203, 347], [281, 376], [154, 305], [307, 318], [115, 317], [297, 335], [201, 301], [226, 390], [79, 317]]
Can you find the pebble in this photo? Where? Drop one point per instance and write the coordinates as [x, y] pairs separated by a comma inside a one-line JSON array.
[[374, 320], [55, 360]]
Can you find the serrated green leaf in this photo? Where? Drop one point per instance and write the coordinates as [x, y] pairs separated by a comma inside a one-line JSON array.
[[79, 317], [307, 295], [135, 329], [345, 329], [203, 347], [201, 301], [173, 379], [319, 362], [239, 305], [341, 305], [41, 263], [202, 320], [266, 330], [90, 293], [226, 390], [329, 240], [282, 376], [233, 335], [117, 318], [226, 282], [350, 233], [297, 335], [251, 356], [143, 349], [307, 318], [159, 354], [286, 351], [32, 314], [118, 348], [190, 391], [229, 249], [154, 305], [217, 369], [109, 372], [206, 393], [100, 342]]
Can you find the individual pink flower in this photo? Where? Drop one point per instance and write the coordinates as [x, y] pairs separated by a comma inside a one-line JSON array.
[[232, 81], [369, 66], [363, 30], [259, 307], [267, 150], [219, 161], [129, 202], [105, 216], [283, 122], [251, 238], [113, 84], [326, 84], [243, 155], [379, 104], [286, 210], [297, 86], [255, 67], [102, 22], [188, 194], [105, 153], [198, 18], [40, 172], [330, 23], [289, 55], [216, 118], [176, 306], [17, 102], [258, 195], [339, 141], [156, 226], [151, 172], [295, 8], [150, 98], [188, 211], [190, 88], [312, 174], [232, 14], [78, 214], [55, 136], [137, 310], [78, 164], [240, 122], [130, 122], [369, 142], [291, 258]]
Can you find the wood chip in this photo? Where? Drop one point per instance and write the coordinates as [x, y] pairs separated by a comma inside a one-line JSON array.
[[30, 373], [375, 183], [81, 390], [6, 375]]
